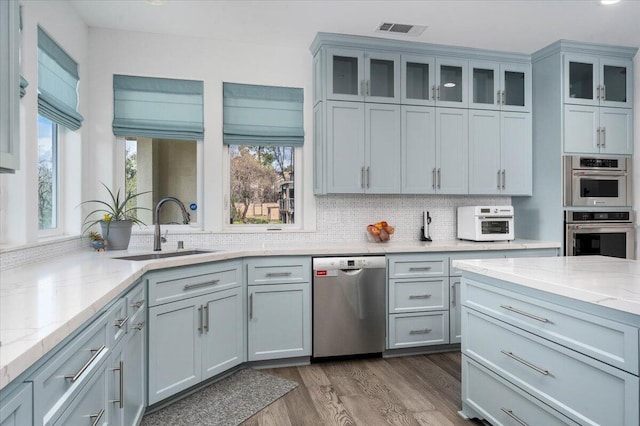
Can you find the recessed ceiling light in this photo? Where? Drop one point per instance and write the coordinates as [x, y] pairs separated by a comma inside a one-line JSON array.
[[608, 2]]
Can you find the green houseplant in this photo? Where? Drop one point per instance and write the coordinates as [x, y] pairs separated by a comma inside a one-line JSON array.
[[119, 214]]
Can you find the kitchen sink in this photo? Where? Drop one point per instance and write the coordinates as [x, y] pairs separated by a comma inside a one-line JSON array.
[[162, 255]]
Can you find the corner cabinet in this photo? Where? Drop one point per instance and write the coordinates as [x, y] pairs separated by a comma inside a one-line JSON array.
[[9, 86], [279, 307]]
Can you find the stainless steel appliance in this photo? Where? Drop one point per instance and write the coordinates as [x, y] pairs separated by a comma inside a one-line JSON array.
[[597, 181], [600, 233], [348, 305], [485, 223]]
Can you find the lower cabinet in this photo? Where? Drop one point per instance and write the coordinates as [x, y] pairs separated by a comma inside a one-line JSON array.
[[16, 409], [455, 311], [90, 407], [194, 339]]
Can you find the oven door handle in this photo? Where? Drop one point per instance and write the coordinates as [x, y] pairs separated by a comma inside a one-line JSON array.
[[609, 227], [599, 173]]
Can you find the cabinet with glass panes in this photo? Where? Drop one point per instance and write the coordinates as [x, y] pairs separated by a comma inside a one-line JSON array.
[[598, 80], [428, 80], [500, 86]]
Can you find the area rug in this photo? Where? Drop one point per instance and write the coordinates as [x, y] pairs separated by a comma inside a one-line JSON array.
[[227, 402]]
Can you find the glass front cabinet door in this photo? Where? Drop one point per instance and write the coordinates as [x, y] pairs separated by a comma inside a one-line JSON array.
[[451, 82], [498, 86], [358, 75], [600, 81], [418, 80]]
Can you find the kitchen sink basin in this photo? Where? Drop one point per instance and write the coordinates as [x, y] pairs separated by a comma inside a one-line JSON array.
[[162, 255]]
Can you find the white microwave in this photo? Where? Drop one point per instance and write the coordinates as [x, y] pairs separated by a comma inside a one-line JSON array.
[[485, 223]]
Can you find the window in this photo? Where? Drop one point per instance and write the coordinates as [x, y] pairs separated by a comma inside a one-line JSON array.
[[47, 174], [261, 184]]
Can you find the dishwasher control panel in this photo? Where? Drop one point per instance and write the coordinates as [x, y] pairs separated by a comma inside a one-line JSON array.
[[342, 263]]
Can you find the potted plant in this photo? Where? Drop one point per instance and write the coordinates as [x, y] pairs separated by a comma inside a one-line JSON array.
[[97, 242], [118, 216]]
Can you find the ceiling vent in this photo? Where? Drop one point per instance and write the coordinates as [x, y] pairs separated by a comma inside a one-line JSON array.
[[411, 30]]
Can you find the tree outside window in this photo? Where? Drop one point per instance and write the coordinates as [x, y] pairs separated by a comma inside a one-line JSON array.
[[47, 174]]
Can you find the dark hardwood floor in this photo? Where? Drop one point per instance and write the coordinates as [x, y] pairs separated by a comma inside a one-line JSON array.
[[415, 390]]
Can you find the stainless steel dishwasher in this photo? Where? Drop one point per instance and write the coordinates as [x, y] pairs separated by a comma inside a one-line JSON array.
[[348, 305]]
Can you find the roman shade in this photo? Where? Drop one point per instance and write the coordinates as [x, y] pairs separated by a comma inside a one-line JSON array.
[[158, 107], [262, 115], [57, 84]]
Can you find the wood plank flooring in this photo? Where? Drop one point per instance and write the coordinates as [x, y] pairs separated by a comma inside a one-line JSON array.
[[416, 390]]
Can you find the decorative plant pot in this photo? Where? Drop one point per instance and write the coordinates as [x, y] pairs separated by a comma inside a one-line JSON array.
[[117, 233], [98, 244]]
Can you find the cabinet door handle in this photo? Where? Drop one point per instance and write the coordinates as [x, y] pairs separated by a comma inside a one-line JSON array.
[[425, 331], [498, 97], [503, 97], [438, 92], [504, 178], [433, 92], [419, 268], [200, 319], [368, 174], [598, 92], [138, 304], [251, 306], [526, 314], [206, 318], [439, 178], [499, 181], [205, 284], [76, 376], [96, 417], [453, 293], [120, 370], [598, 137], [526, 363], [139, 326], [419, 296], [368, 88], [278, 274], [121, 322], [604, 137], [513, 416], [362, 177], [604, 93], [433, 178], [362, 88]]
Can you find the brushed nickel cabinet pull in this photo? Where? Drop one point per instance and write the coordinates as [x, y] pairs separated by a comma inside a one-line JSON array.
[[439, 178], [121, 322], [526, 363], [453, 293], [504, 178], [419, 296], [526, 314], [205, 284], [513, 416], [433, 178], [278, 274], [604, 137], [120, 370], [206, 318], [137, 304], [499, 180], [438, 92], [362, 88], [96, 417], [251, 306], [368, 88], [362, 177], [368, 177], [139, 326], [200, 319], [503, 97], [604, 92], [76, 376], [425, 331], [419, 268], [498, 97], [433, 92]]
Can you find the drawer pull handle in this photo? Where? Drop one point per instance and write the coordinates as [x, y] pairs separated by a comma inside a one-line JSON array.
[[513, 416], [419, 296], [251, 306], [421, 268], [96, 417], [121, 322], [208, 283], [425, 331], [206, 318], [137, 304], [526, 314], [139, 326], [200, 319], [76, 376], [278, 274], [453, 293], [528, 364], [120, 370]]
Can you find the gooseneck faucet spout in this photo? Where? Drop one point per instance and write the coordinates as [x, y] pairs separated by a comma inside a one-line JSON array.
[[156, 218]]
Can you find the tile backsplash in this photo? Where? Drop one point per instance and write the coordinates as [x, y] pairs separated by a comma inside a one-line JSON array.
[[339, 218]]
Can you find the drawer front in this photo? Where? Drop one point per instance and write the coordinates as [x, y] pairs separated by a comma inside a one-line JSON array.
[[89, 408], [118, 321], [183, 283], [584, 389], [409, 330], [279, 270], [505, 404], [606, 340], [418, 295], [64, 375], [417, 265]]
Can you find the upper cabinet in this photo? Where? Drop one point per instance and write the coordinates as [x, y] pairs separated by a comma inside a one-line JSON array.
[[500, 86], [9, 86], [431, 81], [363, 75], [598, 80]]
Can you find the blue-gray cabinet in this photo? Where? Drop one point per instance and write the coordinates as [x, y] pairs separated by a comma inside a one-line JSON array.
[[500, 152], [16, 408], [452, 151], [500, 86], [187, 340], [91, 405], [363, 148], [589, 129], [9, 86], [279, 307]]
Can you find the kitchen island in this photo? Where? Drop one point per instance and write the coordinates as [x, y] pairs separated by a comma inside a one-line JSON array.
[[551, 340]]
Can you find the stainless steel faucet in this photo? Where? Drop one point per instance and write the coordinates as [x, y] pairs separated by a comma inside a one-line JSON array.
[[156, 234]]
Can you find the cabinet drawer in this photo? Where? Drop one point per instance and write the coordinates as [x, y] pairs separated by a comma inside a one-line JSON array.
[[505, 402], [418, 265], [422, 329], [603, 339], [136, 305], [584, 389], [279, 270], [187, 282], [118, 320], [65, 374], [418, 295], [89, 408]]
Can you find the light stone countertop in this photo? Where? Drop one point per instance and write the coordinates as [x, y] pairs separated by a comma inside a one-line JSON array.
[[605, 281], [43, 303]]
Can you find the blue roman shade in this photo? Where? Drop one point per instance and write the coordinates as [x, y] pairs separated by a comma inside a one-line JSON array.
[[262, 115], [57, 84], [158, 107]]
